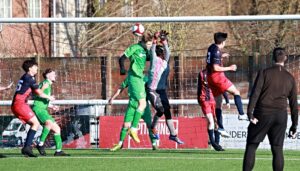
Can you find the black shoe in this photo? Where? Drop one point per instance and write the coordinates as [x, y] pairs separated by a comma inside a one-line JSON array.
[[217, 147], [27, 151], [61, 153], [41, 150]]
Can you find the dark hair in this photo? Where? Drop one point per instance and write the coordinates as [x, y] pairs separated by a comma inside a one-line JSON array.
[[159, 50], [47, 71], [279, 54], [220, 37], [28, 64], [147, 37]]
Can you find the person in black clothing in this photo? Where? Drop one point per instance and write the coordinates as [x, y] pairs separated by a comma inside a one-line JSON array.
[[267, 111]]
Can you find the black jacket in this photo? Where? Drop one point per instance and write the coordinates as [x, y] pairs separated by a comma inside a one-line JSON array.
[[272, 87]]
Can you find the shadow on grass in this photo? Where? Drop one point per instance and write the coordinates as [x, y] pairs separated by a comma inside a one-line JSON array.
[[2, 156]]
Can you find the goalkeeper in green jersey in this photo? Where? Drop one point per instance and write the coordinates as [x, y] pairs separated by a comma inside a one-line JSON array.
[[129, 115], [137, 54], [40, 108]]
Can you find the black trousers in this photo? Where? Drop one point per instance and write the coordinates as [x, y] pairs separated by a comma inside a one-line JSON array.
[[272, 125]]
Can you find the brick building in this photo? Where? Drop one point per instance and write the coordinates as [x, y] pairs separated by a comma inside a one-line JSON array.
[[21, 40]]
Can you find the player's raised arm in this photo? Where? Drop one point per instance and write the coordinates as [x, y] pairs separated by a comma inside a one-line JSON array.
[[294, 110], [7, 87], [219, 68], [122, 65], [164, 40]]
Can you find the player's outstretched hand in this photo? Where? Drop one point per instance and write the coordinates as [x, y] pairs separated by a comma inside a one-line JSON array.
[[227, 105], [292, 132], [233, 67], [51, 98], [55, 108], [156, 35], [254, 121], [110, 101], [9, 86]]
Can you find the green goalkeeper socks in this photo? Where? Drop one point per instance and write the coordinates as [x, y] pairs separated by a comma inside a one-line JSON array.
[[136, 119], [58, 142], [123, 134], [44, 135]]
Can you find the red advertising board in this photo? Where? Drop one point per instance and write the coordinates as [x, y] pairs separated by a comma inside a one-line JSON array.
[[193, 131]]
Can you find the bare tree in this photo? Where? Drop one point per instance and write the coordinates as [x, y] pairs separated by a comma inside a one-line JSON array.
[[263, 36]]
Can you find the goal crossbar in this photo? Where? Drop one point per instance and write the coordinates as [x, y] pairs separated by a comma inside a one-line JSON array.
[[152, 19]]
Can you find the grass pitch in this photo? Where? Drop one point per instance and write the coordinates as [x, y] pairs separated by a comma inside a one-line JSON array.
[[144, 160]]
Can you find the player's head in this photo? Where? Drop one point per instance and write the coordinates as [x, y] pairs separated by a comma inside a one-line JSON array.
[[49, 74], [159, 50], [279, 55], [147, 40], [220, 38], [30, 66]]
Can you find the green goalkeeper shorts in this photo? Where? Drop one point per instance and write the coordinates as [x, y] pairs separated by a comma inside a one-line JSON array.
[[42, 115], [136, 88], [132, 107]]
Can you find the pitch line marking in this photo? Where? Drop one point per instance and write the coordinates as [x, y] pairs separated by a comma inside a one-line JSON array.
[[178, 158]]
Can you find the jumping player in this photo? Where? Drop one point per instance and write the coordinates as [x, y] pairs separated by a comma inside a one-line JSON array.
[[40, 108], [157, 84], [21, 109], [219, 116], [131, 108], [216, 78], [137, 54], [207, 102]]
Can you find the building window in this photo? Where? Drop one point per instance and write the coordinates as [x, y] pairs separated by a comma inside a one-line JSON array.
[[5, 8], [34, 8]]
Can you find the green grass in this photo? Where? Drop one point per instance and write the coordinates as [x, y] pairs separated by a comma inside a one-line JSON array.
[[136, 160]]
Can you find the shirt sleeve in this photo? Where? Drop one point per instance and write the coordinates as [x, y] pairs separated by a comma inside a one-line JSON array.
[[199, 87], [124, 84], [153, 53], [215, 56], [129, 51], [167, 52], [255, 93], [293, 104]]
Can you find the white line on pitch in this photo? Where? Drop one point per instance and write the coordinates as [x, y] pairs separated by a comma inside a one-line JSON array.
[[178, 158]]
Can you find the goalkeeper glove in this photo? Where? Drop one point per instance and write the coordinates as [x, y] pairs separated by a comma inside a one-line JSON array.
[[163, 35], [155, 37], [123, 71]]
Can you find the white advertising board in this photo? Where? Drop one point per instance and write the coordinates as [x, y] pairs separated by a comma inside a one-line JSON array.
[[238, 134]]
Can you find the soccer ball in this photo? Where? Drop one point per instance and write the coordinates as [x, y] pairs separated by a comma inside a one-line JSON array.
[[138, 29]]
